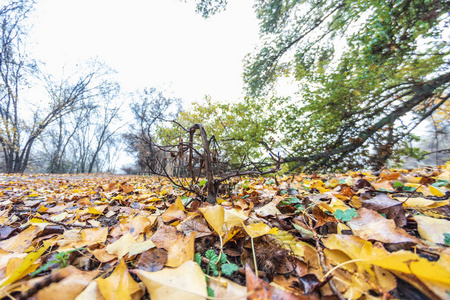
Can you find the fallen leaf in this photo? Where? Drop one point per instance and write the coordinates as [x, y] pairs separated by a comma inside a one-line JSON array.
[[259, 289], [152, 260], [173, 213], [119, 285], [383, 204], [225, 288], [22, 241], [165, 236], [258, 229], [121, 246], [215, 216], [432, 229], [181, 251], [73, 283], [21, 270], [186, 282], [140, 247], [370, 225]]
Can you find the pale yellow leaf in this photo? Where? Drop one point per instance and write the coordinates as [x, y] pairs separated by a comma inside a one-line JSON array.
[[432, 229], [121, 246], [234, 218], [138, 248], [187, 282]]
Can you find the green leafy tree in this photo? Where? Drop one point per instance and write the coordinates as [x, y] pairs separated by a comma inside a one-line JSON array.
[[241, 129], [368, 73]]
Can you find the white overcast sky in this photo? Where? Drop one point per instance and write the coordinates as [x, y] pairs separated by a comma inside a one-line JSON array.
[[161, 43]]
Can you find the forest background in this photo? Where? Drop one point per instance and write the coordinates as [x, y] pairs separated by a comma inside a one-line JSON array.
[[363, 77]]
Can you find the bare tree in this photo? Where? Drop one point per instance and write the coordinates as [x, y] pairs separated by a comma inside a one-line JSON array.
[[150, 109], [76, 142], [57, 141], [104, 133]]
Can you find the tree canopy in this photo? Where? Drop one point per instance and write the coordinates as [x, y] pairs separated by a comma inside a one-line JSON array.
[[367, 72]]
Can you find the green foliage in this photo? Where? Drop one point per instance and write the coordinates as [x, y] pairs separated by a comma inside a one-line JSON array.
[[198, 258], [289, 201], [440, 182], [398, 184], [210, 7], [408, 188], [240, 129], [59, 258], [346, 216], [228, 269], [210, 291], [367, 73], [447, 239], [215, 264]]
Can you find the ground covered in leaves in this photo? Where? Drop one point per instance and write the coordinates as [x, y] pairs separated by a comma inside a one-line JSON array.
[[354, 236]]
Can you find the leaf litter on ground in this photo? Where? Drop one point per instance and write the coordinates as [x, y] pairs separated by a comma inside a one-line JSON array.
[[358, 235]]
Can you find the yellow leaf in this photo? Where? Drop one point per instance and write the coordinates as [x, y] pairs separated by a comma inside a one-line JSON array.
[[121, 246], [20, 271], [220, 201], [42, 209], [119, 285], [234, 217], [181, 250], [215, 216], [94, 211], [187, 282], [96, 235], [227, 289], [179, 204], [436, 192], [118, 197], [432, 229], [419, 202], [258, 229], [406, 262], [173, 213], [34, 194], [138, 248], [59, 217]]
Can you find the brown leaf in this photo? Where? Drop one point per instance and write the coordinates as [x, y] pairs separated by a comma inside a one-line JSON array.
[[383, 204], [370, 225], [74, 282], [259, 289], [152, 260], [165, 236], [22, 241]]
